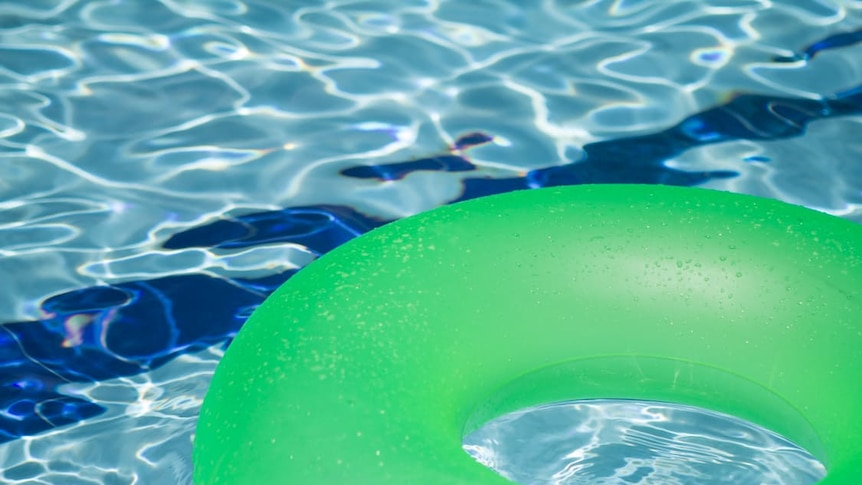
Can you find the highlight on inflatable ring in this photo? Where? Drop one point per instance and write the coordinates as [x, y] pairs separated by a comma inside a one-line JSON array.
[[372, 363]]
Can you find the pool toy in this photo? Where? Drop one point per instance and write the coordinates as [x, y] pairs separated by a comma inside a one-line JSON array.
[[371, 364]]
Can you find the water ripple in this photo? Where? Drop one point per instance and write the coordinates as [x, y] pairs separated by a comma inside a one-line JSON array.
[[611, 442], [165, 147]]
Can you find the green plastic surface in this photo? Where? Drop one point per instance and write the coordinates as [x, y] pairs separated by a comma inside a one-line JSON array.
[[370, 365]]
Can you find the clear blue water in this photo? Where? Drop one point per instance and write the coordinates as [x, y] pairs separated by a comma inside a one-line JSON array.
[[166, 164], [606, 442]]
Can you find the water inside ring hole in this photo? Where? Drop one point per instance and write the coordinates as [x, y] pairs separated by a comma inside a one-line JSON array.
[[622, 442]]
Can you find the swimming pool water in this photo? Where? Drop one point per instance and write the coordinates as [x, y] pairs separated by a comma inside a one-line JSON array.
[[130, 131], [604, 442]]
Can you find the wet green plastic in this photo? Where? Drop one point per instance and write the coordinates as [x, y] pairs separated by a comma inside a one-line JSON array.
[[369, 365]]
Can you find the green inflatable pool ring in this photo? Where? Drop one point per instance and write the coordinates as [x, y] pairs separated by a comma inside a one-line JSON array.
[[370, 365]]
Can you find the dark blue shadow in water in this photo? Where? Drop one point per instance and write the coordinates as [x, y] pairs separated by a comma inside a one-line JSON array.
[[319, 229], [104, 332], [844, 39], [100, 333]]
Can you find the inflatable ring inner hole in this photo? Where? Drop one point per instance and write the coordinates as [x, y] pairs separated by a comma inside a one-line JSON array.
[[649, 380], [591, 441]]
